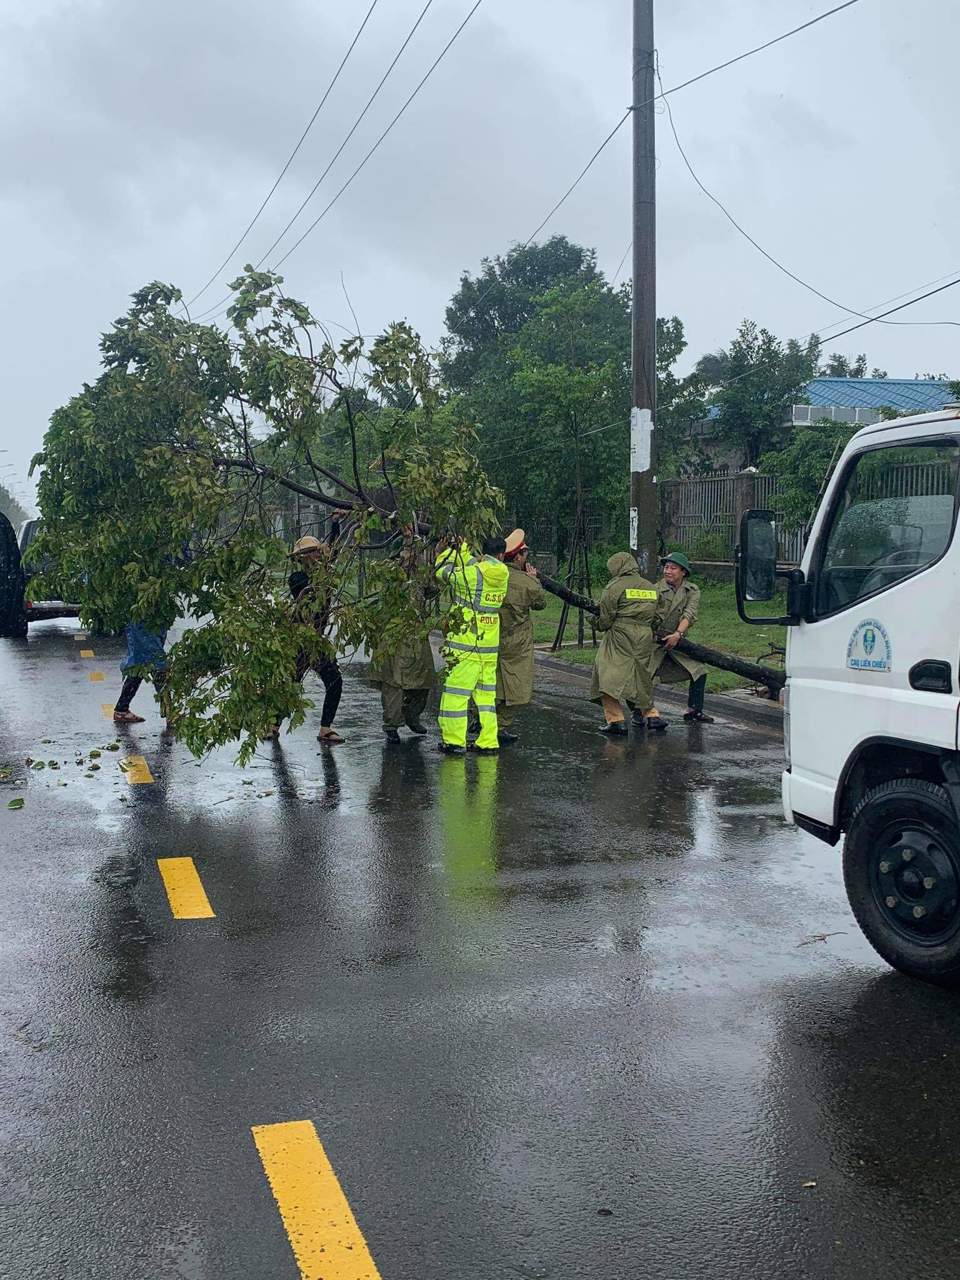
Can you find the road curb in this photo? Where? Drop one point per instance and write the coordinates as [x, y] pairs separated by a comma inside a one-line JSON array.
[[754, 712]]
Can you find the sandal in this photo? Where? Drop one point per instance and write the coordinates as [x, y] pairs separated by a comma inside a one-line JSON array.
[[329, 736], [127, 717]]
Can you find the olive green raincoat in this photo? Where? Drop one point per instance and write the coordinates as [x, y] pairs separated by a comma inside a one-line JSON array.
[[667, 665], [515, 668], [409, 667], [629, 611]]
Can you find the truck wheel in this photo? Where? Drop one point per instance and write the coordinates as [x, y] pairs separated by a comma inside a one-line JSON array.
[[901, 866]]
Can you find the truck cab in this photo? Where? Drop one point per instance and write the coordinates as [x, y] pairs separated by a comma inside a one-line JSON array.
[[873, 681]]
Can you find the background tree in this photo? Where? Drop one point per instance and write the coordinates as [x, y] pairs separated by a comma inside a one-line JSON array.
[[547, 378], [160, 486], [803, 464], [753, 384]]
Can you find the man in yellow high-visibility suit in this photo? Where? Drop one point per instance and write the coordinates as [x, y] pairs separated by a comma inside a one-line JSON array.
[[476, 587]]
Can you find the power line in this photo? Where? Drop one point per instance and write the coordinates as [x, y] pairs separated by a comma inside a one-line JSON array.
[[843, 332], [663, 94], [433, 66], [290, 158], [356, 124], [336, 155], [589, 165], [769, 256]]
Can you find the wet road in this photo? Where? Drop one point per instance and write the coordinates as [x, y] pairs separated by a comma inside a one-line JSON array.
[[552, 1015]]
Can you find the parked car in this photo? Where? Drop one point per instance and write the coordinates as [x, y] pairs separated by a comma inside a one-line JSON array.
[[13, 619], [38, 610]]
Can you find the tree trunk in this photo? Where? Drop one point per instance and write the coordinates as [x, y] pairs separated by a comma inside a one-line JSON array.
[[769, 676]]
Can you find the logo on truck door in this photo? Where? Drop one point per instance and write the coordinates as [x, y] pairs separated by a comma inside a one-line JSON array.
[[869, 648]]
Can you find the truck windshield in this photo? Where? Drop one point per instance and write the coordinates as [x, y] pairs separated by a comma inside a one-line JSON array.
[[893, 517]]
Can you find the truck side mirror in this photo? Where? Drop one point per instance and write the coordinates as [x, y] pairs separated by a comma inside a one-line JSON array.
[[758, 555]]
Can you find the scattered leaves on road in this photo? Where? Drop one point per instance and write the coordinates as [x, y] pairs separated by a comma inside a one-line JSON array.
[[15, 804], [808, 1186]]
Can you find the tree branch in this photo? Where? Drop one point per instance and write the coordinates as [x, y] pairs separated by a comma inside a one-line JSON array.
[[753, 671]]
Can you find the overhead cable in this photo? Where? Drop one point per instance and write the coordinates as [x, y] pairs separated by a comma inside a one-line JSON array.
[[766, 254], [253, 221]]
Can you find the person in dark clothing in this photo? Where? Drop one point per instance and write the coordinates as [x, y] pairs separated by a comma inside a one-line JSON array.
[[306, 553], [144, 649]]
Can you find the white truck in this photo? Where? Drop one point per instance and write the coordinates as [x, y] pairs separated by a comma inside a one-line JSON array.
[[872, 696]]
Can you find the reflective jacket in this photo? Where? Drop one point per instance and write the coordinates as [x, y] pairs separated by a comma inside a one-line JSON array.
[[476, 588]]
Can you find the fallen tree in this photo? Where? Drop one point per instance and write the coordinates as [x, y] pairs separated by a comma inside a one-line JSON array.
[[773, 679]]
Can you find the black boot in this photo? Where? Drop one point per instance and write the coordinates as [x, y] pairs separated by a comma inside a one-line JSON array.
[[415, 726], [450, 748], [615, 730], [504, 735], [391, 735]]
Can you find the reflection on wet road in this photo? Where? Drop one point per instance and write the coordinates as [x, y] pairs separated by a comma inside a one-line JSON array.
[[569, 1012]]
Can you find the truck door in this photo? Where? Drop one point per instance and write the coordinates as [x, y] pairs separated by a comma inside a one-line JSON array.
[[878, 655]]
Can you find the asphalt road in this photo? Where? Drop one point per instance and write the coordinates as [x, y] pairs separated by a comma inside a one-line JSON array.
[[566, 1013]]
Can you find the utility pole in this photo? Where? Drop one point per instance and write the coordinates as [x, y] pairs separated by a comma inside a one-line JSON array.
[[644, 512]]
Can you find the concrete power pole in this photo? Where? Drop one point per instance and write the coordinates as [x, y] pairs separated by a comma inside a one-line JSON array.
[[644, 512]]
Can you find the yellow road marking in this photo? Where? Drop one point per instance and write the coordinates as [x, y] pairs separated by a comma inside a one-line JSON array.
[[86, 653], [188, 898], [96, 675], [107, 709], [81, 635], [320, 1225], [135, 769]]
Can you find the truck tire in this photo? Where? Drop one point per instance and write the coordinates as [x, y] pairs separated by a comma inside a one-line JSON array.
[[901, 867]]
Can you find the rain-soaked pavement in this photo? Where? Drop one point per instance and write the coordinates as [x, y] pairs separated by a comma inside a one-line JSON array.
[[561, 1014]]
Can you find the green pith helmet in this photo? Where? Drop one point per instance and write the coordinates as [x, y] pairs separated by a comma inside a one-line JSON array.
[[677, 557]]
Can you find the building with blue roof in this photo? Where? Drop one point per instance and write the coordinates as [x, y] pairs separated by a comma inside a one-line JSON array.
[[857, 401], [860, 400]]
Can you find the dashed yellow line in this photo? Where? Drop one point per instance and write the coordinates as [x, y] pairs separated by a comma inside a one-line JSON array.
[[81, 635], [96, 675], [188, 898], [86, 653], [135, 770], [106, 709], [321, 1228]]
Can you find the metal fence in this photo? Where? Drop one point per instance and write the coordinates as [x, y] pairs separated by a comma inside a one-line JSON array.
[[703, 515]]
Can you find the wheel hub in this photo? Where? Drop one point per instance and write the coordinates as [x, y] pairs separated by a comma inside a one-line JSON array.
[[916, 883]]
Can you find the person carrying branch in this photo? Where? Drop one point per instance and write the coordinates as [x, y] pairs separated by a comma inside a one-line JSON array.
[[679, 606], [314, 610], [629, 611], [515, 669], [406, 675], [476, 588]]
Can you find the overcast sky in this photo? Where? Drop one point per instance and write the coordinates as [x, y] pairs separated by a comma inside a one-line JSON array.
[[136, 141]]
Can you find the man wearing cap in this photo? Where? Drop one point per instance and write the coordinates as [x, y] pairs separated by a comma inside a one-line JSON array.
[[515, 669], [679, 605], [307, 553]]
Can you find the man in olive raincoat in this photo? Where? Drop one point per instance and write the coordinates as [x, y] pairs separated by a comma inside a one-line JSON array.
[[629, 611], [679, 605], [515, 669], [405, 678]]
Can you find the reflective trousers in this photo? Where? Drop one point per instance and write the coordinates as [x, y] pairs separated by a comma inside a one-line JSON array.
[[469, 675]]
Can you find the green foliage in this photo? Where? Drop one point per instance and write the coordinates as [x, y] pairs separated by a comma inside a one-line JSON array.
[[539, 356], [163, 482], [755, 381], [803, 464]]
